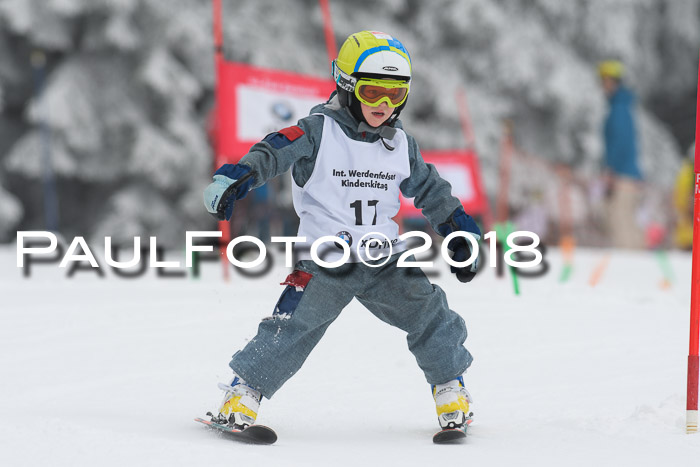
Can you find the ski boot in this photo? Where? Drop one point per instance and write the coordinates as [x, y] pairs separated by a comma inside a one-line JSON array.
[[452, 404], [240, 405]]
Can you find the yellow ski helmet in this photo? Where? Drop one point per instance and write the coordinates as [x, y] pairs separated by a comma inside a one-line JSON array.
[[373, 53], [370, 55]]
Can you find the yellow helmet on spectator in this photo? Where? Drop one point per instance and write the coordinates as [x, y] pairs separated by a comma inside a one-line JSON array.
[[611, 69]]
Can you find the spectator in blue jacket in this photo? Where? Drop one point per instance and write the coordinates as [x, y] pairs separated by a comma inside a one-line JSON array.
[[621, 174]]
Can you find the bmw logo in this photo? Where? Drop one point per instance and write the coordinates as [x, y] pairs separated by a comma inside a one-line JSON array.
[[345, 236], [282, 110]]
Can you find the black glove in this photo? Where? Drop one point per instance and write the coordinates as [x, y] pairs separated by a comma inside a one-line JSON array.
[[460, 247]]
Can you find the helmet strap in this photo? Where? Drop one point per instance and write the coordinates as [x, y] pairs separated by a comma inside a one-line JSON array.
[[395, 115], [356, 109]]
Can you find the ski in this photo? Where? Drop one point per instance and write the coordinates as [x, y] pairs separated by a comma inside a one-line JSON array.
[[450, 435], [254, 434]]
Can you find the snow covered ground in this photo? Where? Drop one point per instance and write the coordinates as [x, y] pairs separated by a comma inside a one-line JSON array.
[[112, 372]]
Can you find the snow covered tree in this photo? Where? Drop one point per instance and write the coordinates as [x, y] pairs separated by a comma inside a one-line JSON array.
[[124, 88], [122, 111]]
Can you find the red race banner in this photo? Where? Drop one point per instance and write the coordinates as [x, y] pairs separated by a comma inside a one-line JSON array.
[[258, 101], [461, 169]]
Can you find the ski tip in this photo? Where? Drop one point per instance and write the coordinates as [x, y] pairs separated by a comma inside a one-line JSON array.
[[254, 434], [450, 436], [261, 434]]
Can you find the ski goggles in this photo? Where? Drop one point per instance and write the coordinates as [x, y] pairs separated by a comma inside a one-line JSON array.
[[373, 92]]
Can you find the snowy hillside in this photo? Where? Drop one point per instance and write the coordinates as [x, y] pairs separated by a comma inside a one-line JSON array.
[[111, 372]]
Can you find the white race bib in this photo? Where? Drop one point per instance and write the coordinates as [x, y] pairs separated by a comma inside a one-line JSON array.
[[353, 194]]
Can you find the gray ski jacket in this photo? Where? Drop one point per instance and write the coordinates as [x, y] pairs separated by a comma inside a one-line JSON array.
[[279, 151]]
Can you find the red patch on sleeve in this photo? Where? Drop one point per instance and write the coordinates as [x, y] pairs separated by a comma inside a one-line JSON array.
[[297, 279], [292, 132]]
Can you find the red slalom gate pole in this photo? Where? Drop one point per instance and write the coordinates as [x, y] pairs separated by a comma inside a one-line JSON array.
[[224, 226], [468, 133], [505, 162], [331, 46], [691, 423]]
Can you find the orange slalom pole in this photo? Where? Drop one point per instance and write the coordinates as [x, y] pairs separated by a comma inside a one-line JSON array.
[[599, 270], [567, 242], [691, 421]]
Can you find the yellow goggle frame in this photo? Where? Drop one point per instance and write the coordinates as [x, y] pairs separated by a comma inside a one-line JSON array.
[[373, 92]]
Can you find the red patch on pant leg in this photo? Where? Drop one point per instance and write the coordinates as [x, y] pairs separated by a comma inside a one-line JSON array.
[[292, 133], [297, 279]]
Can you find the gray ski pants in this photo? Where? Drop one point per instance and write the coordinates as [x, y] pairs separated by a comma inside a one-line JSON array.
[[315, 296]]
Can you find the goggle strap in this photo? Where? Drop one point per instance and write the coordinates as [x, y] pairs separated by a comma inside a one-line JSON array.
[[342, 79]]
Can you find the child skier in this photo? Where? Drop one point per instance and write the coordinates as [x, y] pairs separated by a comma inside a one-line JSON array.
[[349, 159]]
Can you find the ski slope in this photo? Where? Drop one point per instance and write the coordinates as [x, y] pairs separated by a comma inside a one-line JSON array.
[[111, 372]]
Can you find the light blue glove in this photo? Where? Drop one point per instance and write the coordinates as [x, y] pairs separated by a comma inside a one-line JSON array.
[[220, 195]]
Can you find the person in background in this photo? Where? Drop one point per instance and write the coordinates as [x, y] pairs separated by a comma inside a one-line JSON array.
[[683, 192], [622, 176]]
